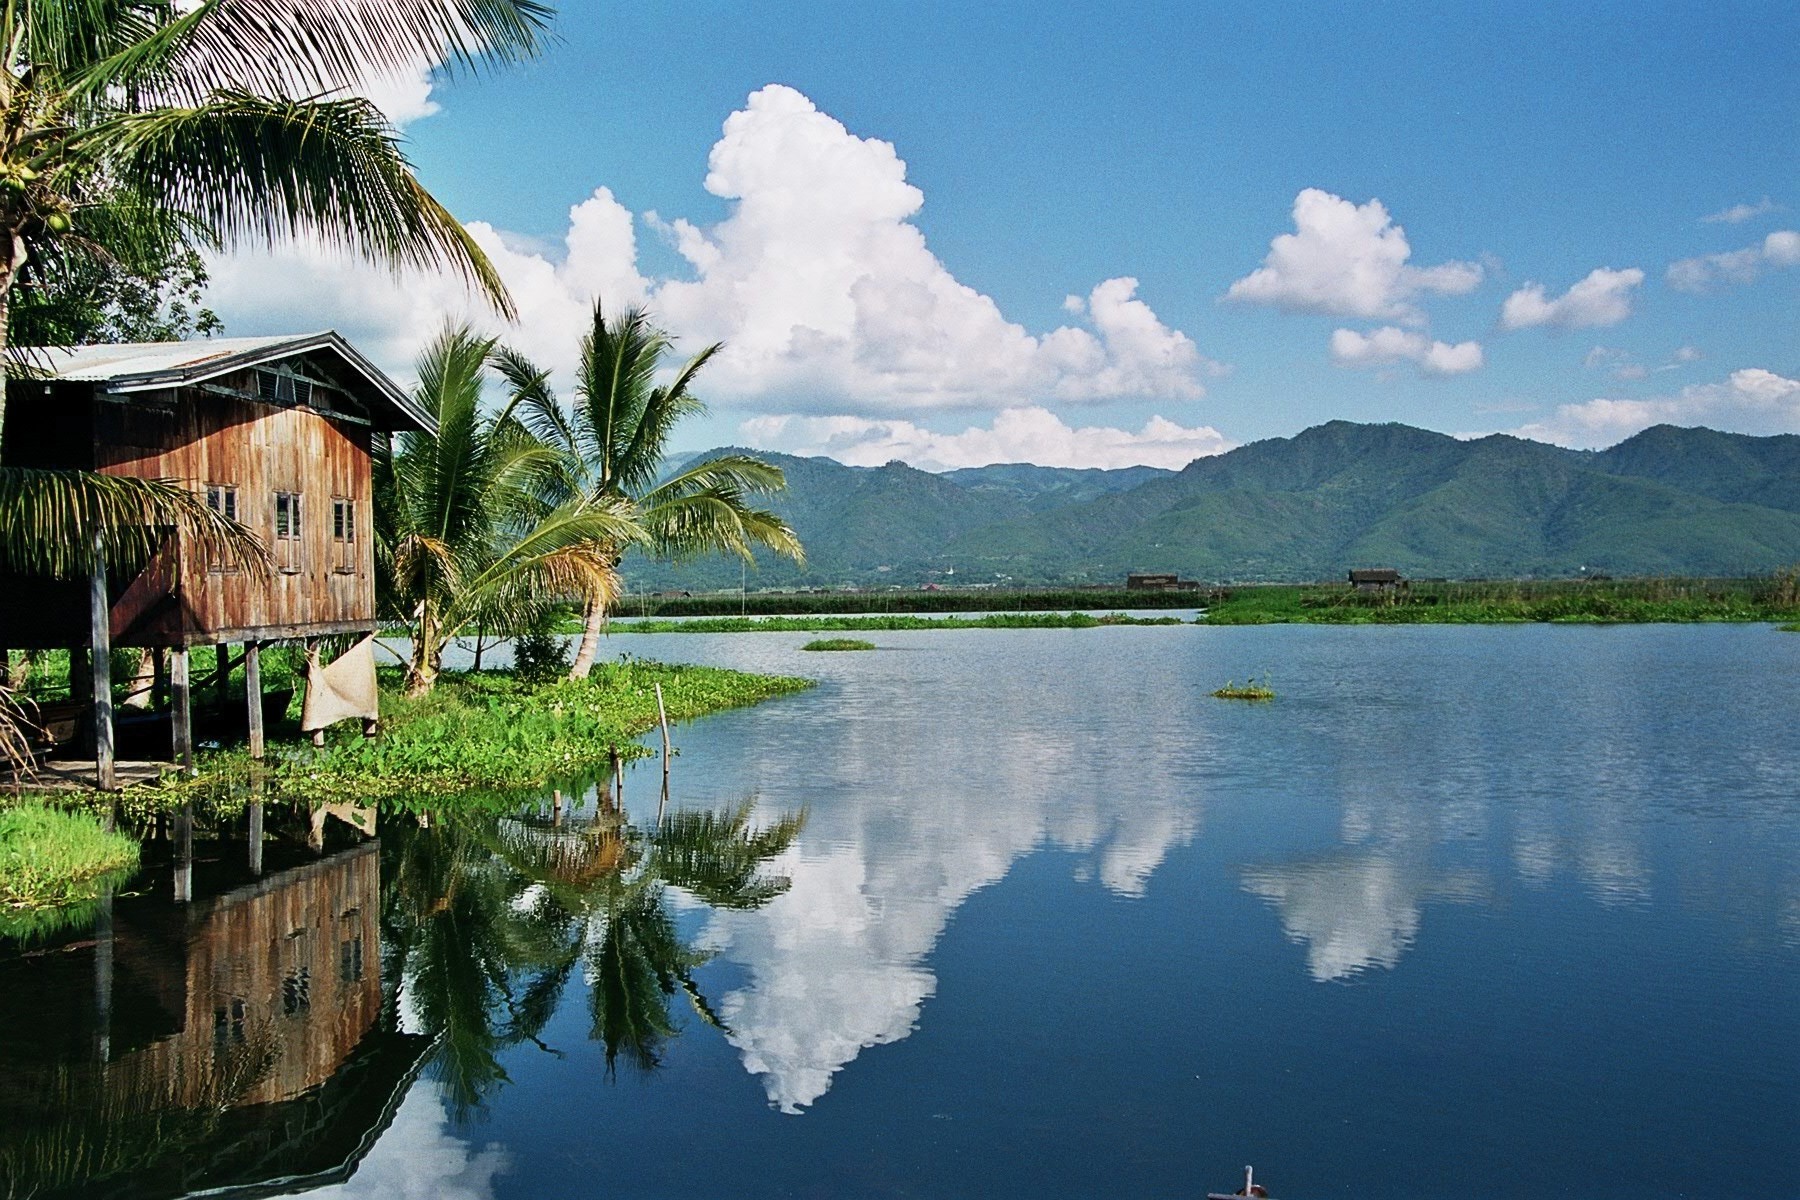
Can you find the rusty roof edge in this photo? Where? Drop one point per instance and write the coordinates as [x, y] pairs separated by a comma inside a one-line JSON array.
[[212, 368]]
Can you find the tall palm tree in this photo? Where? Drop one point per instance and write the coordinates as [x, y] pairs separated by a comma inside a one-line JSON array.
[[616, 433], [221, 123], [473, 522]]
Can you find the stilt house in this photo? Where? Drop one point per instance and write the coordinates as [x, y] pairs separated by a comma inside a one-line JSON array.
[[275, 432]]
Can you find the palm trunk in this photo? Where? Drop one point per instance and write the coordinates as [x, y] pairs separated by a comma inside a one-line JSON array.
[[594, 618], [427, 655]]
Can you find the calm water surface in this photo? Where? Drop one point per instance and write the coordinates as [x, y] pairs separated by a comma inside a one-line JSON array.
[[1481, 912]]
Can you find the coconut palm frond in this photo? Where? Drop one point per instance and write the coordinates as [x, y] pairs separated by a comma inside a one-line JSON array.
[[744, 473], [258, 170], [56, 522], [717, 521]]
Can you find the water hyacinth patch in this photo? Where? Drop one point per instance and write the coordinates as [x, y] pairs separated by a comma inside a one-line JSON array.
[[483, 733]]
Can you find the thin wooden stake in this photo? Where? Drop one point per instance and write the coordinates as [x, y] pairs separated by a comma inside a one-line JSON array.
[[662, 716]]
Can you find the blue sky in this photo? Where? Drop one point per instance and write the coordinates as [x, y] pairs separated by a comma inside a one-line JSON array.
[[1571, 223]]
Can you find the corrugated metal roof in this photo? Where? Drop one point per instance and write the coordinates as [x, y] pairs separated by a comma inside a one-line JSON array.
[[139, 366], [104, 364]]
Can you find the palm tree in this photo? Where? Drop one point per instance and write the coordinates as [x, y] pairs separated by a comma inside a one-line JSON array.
[[616, 433], [216, 123], [473, 521], [126, 125]]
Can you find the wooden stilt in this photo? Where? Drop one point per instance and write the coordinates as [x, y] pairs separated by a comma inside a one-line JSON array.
[[181, 709], [100, 681], [253, 695], [222, 671]]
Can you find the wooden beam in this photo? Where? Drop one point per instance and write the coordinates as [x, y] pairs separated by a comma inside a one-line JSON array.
[[181, 709], [100, 681], [253, 695]]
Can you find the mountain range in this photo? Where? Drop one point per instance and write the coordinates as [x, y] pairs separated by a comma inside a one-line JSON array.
[[1667, 501]]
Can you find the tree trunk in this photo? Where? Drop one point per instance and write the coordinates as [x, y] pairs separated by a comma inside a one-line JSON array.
[[427, 654], [594, 618]]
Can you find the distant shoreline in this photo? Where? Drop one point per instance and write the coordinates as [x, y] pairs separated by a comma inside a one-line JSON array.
[[1599, 600]]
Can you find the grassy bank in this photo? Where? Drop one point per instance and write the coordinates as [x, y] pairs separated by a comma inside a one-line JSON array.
[[1569, 601], [480, 736], [1071, 620], [50, 857], [720, 604]]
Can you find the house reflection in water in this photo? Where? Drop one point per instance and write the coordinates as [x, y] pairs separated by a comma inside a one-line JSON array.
[[226, 1043]]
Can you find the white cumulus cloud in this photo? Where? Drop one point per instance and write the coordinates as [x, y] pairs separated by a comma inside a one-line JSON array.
[[822, 288], [1737, 214], [1702, 274], [1026, 434], [1603, 298], [1390, 344], [1348, 260], [1753, 400]]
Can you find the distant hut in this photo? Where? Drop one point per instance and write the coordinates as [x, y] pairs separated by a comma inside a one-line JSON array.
[[275, 432], [1381, 579], [1149, 582]]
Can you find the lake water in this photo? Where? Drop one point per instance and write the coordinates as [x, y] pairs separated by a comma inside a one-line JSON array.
[[1464, 912]]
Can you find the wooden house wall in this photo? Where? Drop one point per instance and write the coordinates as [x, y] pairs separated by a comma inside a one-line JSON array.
[[202, 437]]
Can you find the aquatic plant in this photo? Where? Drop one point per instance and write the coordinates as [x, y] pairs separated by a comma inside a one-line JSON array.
[[49, 857], [478, 736], [1251, 690], [838, 644], [891, 621], [1440, 602]]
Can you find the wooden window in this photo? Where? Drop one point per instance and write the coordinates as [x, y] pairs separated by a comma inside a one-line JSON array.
[[222, 498], [287, 531], [343, 535]]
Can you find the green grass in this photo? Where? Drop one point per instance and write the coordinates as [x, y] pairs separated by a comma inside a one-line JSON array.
[[812, 624], [51, 857], [477, 738], [1563, 601], [839, 644]]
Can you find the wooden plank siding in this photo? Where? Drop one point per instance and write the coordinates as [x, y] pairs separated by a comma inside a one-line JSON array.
[[219, 433], [204, 437]]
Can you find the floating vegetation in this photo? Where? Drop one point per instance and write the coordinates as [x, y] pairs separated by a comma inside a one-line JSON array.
[[1563, 601], [839, 644], [886, 623], [1250, 690], [50, 857], [477, 732]]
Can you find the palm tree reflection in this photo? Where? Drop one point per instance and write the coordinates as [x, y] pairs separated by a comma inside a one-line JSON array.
[[489, 920]]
